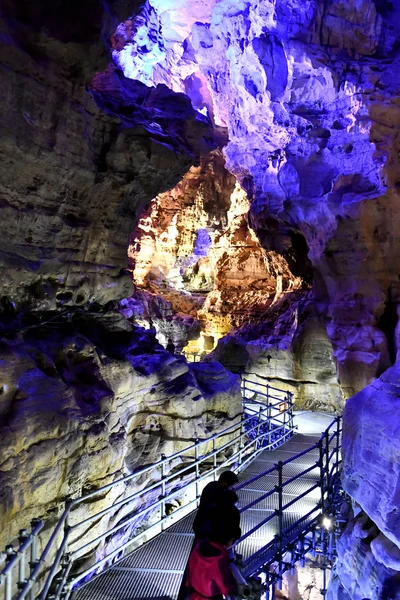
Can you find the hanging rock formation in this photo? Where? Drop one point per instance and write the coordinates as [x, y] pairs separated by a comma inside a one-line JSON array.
[[193, 248], [309, 94]]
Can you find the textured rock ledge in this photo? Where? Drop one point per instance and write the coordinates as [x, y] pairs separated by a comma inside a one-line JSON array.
[[79, 161], [87, 400]]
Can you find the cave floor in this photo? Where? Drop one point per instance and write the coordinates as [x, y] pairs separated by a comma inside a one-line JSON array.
[[155, 569]]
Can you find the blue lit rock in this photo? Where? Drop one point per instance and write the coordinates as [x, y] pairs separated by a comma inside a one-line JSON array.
[[309, 96], [358, 575], [370, 546], [370, 436], [153, 311]]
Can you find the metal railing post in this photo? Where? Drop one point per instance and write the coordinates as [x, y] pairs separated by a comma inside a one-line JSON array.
[[259, 443], [214, 461], [196, 457], [280, 521], [284, 423], [338, 419], [290, 404], [322, 474], [8, 587], [163, 490], [326, 436], [10, 552], [241, 443], [23, 534], [34, 555], [68, 504], [269, 415]]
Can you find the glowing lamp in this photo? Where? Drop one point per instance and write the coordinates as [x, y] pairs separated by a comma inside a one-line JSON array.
[[327, 523]]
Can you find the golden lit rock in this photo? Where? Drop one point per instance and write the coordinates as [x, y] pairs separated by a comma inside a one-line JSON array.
[[195, 249]]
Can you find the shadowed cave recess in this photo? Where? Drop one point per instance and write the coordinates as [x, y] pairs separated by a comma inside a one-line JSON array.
[[192, 190]]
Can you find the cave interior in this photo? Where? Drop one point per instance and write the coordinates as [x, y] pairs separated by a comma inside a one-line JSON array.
[[193, 191]]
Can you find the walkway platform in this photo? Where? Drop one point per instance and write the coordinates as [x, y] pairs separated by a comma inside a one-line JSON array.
[[154, 571]]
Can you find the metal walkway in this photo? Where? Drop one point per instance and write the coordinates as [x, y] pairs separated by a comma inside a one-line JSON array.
[[155, 569]]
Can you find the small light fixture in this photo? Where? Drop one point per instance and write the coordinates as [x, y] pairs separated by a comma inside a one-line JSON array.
[[327, 522]]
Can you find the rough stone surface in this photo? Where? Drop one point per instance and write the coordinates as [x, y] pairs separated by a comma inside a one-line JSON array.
[[151, 310], [371, 432], [193, 248], [87, 400], [290, 349], [358, 575], [79, 164], [309, 93]]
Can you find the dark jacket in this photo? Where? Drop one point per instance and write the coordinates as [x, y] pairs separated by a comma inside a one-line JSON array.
[[217, 513]]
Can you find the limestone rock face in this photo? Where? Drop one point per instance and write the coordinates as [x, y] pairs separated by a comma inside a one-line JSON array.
[[193, 247], [309, 94], [289, 350], [371, 436], [153, 311], [358, 574], [88, 400], [85, 397], [368, 563], [79, 163]]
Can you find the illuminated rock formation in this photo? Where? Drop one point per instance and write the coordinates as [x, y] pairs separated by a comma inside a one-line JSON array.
[[309, 95], [368, 563], [289, 349], [193, 247]]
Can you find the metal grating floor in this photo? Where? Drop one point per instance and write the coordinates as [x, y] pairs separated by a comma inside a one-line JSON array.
[[155, 570]]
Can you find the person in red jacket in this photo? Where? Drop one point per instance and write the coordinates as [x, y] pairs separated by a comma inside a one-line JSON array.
[[209, 574]]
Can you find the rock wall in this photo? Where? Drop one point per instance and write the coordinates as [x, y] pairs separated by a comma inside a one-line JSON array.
[[290, 349], [81, 160], [367, 564], [369, 550], [194, 249], [309, 93], [85, 397]]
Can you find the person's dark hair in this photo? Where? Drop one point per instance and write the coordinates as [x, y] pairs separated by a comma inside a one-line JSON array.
[[228, 478]]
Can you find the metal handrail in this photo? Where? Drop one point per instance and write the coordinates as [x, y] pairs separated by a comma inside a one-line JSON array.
[[246, 379], [275, 550], [250, 444], [245, 449]]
